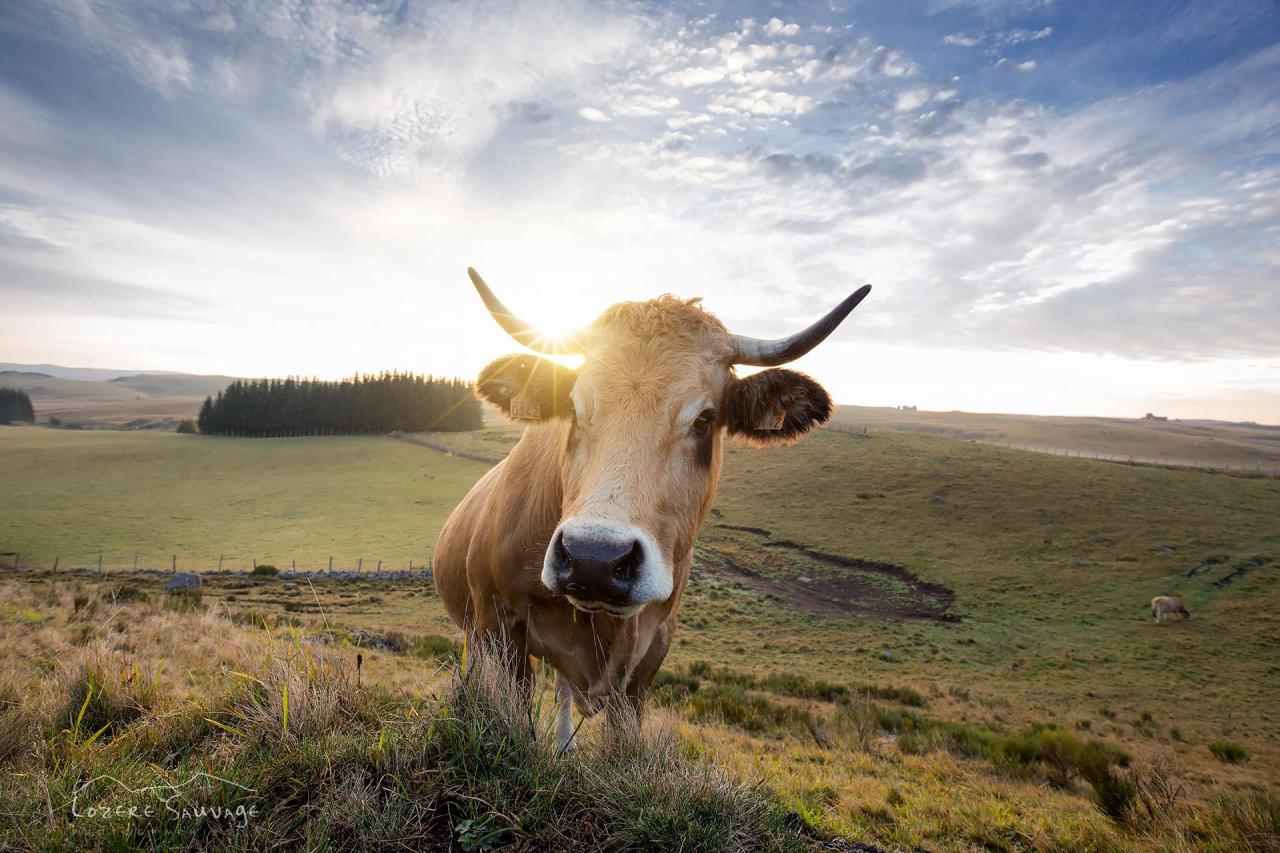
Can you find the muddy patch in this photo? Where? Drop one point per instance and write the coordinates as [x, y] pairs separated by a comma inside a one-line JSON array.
[[818, 583]]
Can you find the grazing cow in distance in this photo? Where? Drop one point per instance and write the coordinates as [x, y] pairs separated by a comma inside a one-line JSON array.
[[577, 547], [1163, 605]]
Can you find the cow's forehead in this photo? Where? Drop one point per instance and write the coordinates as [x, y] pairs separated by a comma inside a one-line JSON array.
[[661, 354], [681, 325]]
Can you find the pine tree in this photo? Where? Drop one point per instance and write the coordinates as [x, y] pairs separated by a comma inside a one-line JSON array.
[[362, 405], [15, 406]]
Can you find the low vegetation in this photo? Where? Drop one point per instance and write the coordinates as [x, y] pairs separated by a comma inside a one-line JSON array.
[[275, 736], [1231, 753], [995, 723]]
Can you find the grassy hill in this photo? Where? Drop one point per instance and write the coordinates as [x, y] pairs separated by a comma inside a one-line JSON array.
[[1202, 444], [135, 401], [887, 616]]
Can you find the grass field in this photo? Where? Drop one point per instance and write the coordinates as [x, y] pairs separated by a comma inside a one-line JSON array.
[[1200, 444], [73, 495], [1036, 572]]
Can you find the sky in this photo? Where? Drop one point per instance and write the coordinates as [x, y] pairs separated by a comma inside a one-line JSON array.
[[1063, 207]]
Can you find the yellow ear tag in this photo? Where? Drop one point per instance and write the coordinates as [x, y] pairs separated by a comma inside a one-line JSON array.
[[776, 421], [524, 409]]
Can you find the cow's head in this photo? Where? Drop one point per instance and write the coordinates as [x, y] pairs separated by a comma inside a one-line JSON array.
[[642, 422]]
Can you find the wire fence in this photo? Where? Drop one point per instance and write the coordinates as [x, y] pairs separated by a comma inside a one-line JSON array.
[[104, 564], [1258, 468]]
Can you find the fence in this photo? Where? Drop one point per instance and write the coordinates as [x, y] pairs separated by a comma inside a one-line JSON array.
[[374, 570], [1256, 469]]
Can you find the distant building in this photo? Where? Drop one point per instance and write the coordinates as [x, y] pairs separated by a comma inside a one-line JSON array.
[[1152, 417], [906, 408]]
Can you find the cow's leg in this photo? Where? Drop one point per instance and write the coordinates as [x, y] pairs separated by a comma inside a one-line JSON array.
[[645, 671], [505, 640], [564, 714]]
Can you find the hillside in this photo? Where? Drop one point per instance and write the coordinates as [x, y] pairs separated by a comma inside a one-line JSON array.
[[1007, 589], [1198, 443], [108, 399]]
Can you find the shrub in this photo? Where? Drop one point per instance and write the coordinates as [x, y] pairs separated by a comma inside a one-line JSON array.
[[901, 695], [187, 426], [671, 688], [800, 687], [102, 702], [18, 729], [183, 600], [1228, 751], [265, 570], [128, 592], [746, 711], [434, 646]]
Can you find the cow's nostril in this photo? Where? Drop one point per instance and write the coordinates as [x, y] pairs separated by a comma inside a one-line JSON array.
[[625, 571]]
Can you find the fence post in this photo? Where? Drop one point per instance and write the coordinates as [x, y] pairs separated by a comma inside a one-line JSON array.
[[219, 562], [55, 563], [99, 564], [17, 562], [255, 562], [379, 567], [135, 562], [330, 564], [359, 565], [293, 566], [173, 565]]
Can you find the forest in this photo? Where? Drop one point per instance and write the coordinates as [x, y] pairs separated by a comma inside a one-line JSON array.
[[15, 406], [359, 405]]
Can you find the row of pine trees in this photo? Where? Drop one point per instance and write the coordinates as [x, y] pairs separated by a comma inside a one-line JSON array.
[[362, 404], [15, 406]]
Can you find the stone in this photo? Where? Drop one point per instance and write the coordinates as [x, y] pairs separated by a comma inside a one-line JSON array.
[[184, 580]]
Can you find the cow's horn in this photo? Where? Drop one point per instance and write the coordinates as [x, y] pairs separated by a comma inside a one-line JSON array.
[[524, 333], [770, 353]]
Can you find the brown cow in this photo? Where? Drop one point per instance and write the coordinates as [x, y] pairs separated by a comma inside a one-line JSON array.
[[576, 548]]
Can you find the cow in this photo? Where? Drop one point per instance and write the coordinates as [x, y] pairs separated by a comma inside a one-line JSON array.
[[1163, 605], [577, 547]]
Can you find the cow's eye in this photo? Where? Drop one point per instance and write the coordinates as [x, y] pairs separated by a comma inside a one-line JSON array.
[[702, 425]]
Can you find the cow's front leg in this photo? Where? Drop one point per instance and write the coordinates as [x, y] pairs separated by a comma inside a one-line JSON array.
[[504, 640], [564, 715]]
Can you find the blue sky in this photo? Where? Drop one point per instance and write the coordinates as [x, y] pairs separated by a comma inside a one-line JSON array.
[[1064, 207]]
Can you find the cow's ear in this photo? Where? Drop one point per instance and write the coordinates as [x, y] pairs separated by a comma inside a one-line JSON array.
[[527, 388], [775, 407]]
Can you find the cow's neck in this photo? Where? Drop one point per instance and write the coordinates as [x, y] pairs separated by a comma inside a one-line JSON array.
[[596, 652]]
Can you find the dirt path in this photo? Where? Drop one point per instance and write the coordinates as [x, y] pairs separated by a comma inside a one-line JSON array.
[[858, 589]]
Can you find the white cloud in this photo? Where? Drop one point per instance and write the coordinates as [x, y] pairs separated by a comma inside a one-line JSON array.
[[713, 158], [776, 27]]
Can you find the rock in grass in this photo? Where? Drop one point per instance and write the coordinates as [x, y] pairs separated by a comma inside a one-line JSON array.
[[184, 580]]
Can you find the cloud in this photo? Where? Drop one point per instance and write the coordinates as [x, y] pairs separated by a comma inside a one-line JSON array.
[[216, 161], [776, 27]]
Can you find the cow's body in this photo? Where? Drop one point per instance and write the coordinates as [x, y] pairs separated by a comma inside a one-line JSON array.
[[1165, 605], [488, 568], [577, 547]]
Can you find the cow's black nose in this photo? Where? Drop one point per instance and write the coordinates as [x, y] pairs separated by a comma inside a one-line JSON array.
[[597, 567]]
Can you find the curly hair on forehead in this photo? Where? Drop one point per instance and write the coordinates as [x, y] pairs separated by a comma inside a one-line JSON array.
[[665, 317]]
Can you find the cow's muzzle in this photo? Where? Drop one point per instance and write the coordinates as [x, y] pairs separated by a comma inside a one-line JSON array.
[[605, 567]]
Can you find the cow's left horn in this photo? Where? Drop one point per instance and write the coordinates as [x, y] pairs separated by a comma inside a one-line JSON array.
[[771, 353], [524, 333]]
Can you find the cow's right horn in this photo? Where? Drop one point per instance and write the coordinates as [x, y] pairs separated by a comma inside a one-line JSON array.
[[525, 334]]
